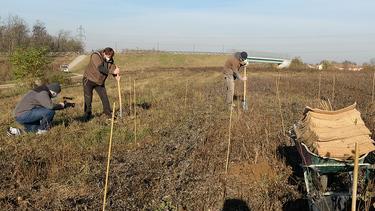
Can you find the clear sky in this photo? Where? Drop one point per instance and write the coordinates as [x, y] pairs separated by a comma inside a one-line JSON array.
[[312, 29]]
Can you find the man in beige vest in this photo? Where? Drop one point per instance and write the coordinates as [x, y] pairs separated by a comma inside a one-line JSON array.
[[231, 73]]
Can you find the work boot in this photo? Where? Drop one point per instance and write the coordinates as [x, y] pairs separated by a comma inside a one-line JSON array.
[[87, 117]]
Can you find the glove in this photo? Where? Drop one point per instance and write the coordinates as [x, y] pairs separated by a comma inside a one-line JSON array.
[[244, 63]]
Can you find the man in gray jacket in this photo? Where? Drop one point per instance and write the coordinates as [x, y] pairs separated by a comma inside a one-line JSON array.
[[36, 110]]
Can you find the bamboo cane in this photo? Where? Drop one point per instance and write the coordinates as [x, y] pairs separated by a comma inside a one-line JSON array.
[[229, 136], [186, 87], [130, 97], [373, 89], [320, 85], [278, 97], [333, 88], [355, 179], [109, 158], [119, 97], [135, 114]]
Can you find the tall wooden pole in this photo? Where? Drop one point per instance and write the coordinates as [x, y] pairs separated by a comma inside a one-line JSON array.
[[135, 114], [355, 179], [229, 137], [373, 89], [119, 96], [109, 158]]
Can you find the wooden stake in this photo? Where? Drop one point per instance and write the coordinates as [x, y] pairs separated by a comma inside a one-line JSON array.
[[229, 136], [135, 115], [333, 88], [119, 97], [109, 158], [186, 87], [320, 84], [130, 96], [373, 89], [278, 97], [355, 178]]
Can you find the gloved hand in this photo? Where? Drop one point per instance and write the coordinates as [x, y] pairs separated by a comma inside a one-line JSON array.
[[244, 63]]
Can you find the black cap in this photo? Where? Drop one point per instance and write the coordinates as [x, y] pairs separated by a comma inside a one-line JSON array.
[[55, 87], [243, 55]]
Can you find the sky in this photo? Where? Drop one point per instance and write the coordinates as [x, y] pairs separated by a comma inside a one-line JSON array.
[[312, 29]]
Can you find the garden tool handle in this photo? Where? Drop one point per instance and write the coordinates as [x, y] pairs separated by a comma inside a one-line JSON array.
[[244, 84]]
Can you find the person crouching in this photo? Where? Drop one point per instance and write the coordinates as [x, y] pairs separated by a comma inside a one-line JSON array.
[[36, 110]]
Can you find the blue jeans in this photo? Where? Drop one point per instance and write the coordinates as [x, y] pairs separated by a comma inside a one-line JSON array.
[[37, 118]]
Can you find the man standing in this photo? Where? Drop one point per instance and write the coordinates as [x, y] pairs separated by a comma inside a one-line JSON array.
[[231, 73], [36, 110], [100, 66]]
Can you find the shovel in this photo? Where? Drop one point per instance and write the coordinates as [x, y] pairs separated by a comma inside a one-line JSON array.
[[244, 102], [119, 97]]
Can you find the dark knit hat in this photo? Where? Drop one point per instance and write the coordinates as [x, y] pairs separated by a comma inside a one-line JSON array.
[[243, 55], [55, 87]]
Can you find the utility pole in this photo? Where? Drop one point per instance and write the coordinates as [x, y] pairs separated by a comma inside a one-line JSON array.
[[81, 35]]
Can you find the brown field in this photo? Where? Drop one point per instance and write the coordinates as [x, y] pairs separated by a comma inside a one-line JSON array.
[[178, 161]]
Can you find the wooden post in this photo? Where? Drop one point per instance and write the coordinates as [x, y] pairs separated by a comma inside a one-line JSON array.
[[355, 178], [135, 114], [229, 136], [320, 85], [373, 89], [119, 97], [108, 158]]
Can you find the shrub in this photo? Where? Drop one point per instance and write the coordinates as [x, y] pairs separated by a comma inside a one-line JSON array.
[[30, 63]]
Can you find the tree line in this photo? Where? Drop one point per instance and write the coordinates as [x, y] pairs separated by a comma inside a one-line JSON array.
[[16, 33]]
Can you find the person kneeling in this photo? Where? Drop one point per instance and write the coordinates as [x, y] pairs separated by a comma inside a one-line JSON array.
[[36, 110]]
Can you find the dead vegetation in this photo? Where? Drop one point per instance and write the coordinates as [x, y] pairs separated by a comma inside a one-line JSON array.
[[178, 161]]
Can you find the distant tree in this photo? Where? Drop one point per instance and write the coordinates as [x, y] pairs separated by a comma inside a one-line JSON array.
[[297, 64], [40, 36], [15, 33], [372, 61], [64, 42], [29, 63], [327, 65], [347, 64]]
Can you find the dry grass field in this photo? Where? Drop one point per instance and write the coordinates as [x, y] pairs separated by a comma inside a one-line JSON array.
[[178, 159]]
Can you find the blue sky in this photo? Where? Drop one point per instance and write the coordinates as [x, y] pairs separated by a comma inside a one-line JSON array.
[[314, 29]]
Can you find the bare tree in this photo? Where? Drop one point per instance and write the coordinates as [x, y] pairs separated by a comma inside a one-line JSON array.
[[40, 36], [16, 33]]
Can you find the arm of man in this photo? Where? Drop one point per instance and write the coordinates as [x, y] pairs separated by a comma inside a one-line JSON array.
[[44, 100], [236, 72]]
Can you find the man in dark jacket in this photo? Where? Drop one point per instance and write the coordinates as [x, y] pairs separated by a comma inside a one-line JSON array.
[[231, 73], [36, 110], [100, 66]]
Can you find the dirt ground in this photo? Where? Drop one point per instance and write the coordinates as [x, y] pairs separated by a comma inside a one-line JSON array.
[[178, 160]]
